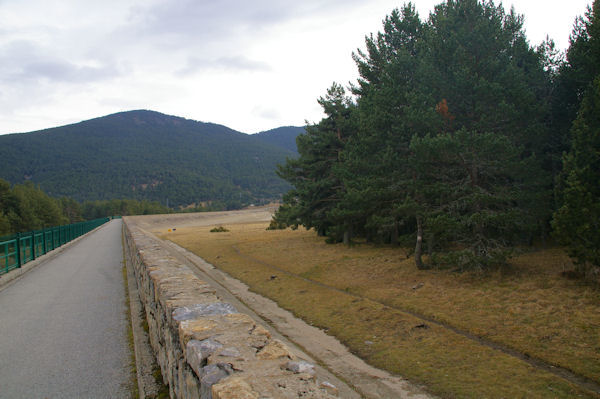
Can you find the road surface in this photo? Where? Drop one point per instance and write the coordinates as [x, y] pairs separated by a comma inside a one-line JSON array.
[[63, 325]]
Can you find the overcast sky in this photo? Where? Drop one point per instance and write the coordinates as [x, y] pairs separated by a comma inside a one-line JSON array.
[[249, 65]]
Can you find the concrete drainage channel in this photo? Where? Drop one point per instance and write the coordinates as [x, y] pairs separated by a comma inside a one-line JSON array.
[[204, 346]]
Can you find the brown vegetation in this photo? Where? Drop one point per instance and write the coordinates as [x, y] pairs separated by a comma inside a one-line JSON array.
[[424, 325]]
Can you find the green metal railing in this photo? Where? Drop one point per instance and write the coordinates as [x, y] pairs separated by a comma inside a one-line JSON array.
[[18, 249]]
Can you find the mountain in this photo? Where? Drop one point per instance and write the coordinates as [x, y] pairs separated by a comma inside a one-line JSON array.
[[148, 155], [284, 137]]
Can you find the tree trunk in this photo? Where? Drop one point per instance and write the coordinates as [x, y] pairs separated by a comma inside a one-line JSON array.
[[394, 237], [347, 235], [419, 246]]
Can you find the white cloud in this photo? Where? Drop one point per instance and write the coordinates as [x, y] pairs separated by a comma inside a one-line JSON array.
[[249, 65], [238, 63], [24, 62]]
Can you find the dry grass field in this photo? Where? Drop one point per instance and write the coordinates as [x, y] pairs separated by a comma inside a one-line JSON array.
[[436, 328]]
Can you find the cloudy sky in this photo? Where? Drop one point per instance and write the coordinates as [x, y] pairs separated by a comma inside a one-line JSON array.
[[250, 65]]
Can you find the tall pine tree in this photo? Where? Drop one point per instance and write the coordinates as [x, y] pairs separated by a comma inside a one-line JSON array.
[[443, 142], [470, 183], [577, 222], [394, 103], [317, 188]]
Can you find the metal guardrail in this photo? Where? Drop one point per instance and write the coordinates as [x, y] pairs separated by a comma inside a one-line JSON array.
[[20, 248]]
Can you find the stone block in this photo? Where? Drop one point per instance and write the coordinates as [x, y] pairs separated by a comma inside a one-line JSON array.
[[275, 350], [192, 385], [202, 310], [233, 388], [198, 329], [211, 375], [197, 353]]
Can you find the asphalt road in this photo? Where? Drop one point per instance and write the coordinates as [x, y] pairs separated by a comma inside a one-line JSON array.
[[63, 325]]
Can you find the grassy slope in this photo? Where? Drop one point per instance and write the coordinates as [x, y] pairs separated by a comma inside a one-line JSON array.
[[364, 296]]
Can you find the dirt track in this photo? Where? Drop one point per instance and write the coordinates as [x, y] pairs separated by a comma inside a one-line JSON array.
[[368, 381]]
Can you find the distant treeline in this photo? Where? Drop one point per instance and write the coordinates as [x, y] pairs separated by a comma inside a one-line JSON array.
[[26, 207], [459, 139]]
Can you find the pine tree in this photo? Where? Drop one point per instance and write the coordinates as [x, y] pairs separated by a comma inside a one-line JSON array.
[[575, 75], [465, 86], [450, 116], [577, 222], [471, 187], [317, 188], [391, 92], [467, 185], [581, 67]]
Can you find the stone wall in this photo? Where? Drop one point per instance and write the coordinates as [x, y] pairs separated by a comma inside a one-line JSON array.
[[204, 346]]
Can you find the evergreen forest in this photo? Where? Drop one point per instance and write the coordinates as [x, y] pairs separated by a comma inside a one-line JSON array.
[[460, 139], [148, 156]]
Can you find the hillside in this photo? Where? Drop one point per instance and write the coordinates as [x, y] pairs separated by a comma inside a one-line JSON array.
[[284, 137], [147, 155]]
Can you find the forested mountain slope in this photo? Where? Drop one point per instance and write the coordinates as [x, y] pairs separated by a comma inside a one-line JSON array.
[[146, 155], [284, 136]]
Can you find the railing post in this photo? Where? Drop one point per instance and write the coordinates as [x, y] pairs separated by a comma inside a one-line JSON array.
[[33, 245], [18, 249], [44, 248], [6, 257]]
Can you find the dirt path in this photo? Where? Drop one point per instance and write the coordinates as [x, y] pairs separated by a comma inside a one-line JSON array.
[[368, 381]]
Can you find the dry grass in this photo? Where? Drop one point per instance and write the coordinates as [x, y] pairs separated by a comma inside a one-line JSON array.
[[364, 295]]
